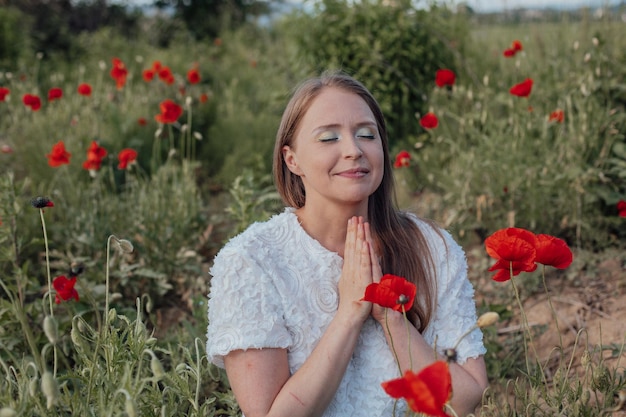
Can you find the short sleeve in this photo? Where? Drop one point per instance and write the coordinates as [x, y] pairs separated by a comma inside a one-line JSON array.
[[455, 312], [244, 306]]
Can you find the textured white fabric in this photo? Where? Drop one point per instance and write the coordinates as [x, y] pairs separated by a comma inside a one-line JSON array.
[[273, 286]]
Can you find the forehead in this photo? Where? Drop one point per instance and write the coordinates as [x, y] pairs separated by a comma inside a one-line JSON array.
[[337, 106]]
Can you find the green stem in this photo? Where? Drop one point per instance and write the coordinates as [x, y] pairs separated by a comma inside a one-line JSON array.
[[45, 241], [393, 348]]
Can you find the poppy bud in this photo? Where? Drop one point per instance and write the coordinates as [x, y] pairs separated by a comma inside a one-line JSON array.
[[124, 245], [7, 412], [131, 408], [403, 299], [51, 329], [450, 355], [156, 367], [50, 389], [487, 319]]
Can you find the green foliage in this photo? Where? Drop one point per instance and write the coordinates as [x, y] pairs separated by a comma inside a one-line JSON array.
[[393, 48], [499, 160], [13, 36]]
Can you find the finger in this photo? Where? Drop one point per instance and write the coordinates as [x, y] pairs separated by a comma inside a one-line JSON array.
[[366, 261], [376, 269], [348, 250]]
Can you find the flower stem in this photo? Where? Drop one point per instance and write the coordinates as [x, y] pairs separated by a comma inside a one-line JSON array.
[[393, 348], [45, 241]]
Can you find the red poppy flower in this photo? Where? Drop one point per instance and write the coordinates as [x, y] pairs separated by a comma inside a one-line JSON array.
[[165, 75], [148, 75], [32, 101], [41, 202], [621, 208], [84, 89], [119, 73], [204, 98], [65, 289], [516, 46], [557, 116], [403, 158], [522, 89], [126, 157], [6, 149], [553, 251], [59, 156], [170, 112], [426, 392], [429, 121], [4, 92], [142, 121], [217, 42], [95, 155], [514, 249], [444, 77], [193, 75], [392, 292], [55, 93]]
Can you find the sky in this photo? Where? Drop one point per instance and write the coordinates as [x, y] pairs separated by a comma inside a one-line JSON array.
[[484, 5]]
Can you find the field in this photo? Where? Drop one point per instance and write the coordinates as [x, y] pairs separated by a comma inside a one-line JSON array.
[[147, 158]]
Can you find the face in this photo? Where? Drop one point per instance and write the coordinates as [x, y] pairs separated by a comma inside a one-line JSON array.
[[337, 150]]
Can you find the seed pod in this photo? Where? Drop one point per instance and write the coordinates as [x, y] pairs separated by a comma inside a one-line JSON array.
[[49, 388], [51, 329]]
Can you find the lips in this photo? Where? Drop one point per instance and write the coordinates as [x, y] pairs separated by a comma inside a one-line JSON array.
[[354, 173]]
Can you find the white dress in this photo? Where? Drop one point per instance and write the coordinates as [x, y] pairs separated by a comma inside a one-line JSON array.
[[274, 286]]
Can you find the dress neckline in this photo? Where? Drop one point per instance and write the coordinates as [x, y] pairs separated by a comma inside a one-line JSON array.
[[315, 244]]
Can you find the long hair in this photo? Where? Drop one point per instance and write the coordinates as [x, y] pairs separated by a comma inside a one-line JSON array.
[[399, 241]]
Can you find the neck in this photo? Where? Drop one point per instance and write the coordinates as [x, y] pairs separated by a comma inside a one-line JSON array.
[[328, 225]]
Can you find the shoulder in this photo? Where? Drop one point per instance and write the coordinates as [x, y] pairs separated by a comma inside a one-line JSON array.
[[266, 234]]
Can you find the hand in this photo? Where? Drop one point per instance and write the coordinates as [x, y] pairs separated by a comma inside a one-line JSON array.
[[357, 272]]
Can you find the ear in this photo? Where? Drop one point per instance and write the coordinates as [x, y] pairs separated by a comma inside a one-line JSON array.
[[291, 160]]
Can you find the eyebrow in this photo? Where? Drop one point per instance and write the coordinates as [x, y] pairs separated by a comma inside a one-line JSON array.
[[367, 123]]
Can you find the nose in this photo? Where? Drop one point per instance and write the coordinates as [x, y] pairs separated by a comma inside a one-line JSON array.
[[352, 148]]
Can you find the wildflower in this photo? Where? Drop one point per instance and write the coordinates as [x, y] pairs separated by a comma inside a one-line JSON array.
[[41, 202], [392, 292], [142, 121], [425, 392], [557, 116], [55, 93], [553, 251], [95, 155], [204, 98], [65, 289], [516, 46], [429, 121], [217, 42], [119, 73], [31, 100], [6, 149], [514, 251], [402, 159], [621, 208], [4, 92], [522, 89], [165, 75], [170, 112], [59, 156], [84, 89], [444, 77], [50, 389], [148, 75], [193, 75], [126, 157]]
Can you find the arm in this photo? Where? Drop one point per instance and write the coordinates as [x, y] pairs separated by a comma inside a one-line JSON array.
[[468, 380], [260, 378]]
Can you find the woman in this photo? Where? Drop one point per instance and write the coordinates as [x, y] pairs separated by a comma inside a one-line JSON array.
[[285, 316]]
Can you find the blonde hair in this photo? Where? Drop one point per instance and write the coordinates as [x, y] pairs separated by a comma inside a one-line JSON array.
[[400, 243]]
